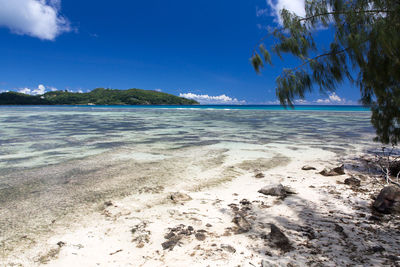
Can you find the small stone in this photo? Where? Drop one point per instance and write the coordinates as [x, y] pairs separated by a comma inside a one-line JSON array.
[[333, 172], [200, 236], [180, 197], [308, 168], [394, 168], [108, 203], [61, 244], [276, 190], [208, 225], [170, 244], [352, 181], [169, 235], [340, 230], [279, 239], [388, 200], [242, 223], [245, 202], [228, 248], [259, 175]]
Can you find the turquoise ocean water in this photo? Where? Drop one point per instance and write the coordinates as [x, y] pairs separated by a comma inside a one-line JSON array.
[[54, 159]]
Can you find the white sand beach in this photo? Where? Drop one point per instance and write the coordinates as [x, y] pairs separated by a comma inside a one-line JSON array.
[[180, 187], [326, 222]]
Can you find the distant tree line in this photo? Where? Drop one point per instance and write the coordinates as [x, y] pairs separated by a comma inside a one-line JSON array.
[[99, 96]]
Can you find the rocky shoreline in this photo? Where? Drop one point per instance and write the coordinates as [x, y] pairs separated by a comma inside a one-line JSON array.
[[294, 215]]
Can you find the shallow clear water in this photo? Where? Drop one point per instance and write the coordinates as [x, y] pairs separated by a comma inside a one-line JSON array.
[[38, 136], [55, 159]]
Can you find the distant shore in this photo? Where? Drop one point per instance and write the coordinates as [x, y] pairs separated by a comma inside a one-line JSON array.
[[98, 96]]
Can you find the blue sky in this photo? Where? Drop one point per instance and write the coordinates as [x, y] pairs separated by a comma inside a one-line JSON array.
[[198, 49]]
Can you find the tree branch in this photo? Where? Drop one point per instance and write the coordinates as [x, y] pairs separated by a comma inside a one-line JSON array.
[[346, 12], [319, 56]]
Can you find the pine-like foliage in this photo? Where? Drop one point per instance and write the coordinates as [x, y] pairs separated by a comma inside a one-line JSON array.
[[366, 42]]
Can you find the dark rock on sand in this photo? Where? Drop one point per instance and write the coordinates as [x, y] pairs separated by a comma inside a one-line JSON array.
[[259, 175], [308, 168], [170, 244], [394, 168], [245, 202], [108, 203], [276, 190], [169, 235], [273, 190], [279, 239], [333, 172], [179, 197], [200, 236], [61, 244], [340, 230], [175, 235], [241, 222], [388, 200], [352, 181]]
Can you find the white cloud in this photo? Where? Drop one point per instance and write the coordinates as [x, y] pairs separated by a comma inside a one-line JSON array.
[[301, 102], [40, 90], [275, 102], [333, 99], [36, 18], [158, 90], [25, 91], [322, 101], [295, 6], [207, 99]]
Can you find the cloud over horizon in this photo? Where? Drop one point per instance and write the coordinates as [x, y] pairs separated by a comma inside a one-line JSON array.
[[35, 18], [332, 99], [40, 90], [207, 99]]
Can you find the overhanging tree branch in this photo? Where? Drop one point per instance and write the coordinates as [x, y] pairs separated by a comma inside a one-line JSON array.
[[319, 56], [345, 12]]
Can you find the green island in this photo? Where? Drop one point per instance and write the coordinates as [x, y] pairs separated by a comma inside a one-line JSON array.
[[98, 96]]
